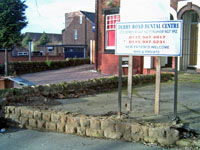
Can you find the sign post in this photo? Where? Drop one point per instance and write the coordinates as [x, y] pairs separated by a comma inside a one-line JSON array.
[[157, 89], [120, 86], [143, 32], [152, 38], [130, 82], [176, 118]]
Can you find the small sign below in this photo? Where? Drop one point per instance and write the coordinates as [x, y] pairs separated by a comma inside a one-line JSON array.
[[154, 38]]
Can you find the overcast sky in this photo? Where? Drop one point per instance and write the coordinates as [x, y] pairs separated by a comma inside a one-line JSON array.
[[49, 15]]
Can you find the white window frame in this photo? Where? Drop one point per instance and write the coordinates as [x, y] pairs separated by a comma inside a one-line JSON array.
[[81, 19], [75, 34], [112, 28], [22, 53], [50, 49]]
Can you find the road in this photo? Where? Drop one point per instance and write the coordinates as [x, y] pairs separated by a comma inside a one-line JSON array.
[[19, 139]]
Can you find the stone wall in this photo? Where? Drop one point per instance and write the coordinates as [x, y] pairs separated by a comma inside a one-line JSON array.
[[92, 126]]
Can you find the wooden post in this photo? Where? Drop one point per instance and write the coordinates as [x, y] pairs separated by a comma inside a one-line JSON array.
[[130, 81], [157, 89], [120, 86]]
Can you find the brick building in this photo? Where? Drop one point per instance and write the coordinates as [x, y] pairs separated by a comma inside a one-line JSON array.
[[79, 31], [53, 50], [108, 13]]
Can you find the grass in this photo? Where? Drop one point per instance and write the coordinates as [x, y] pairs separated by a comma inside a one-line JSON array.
[[186, 77]]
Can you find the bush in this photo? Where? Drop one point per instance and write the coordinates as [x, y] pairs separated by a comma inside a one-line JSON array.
[[76, 89], [38, 66]]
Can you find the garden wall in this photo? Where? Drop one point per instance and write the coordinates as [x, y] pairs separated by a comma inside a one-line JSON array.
[[92, 126]]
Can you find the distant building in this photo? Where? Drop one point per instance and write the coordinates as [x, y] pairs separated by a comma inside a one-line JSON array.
[[53, 50], [54, 39], [79, 31]]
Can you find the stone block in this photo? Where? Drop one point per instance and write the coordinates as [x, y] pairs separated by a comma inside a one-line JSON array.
[[32, 123], [11, 109], [46, 116], [81, 131], [63, 118], [51, 126], [153, 135], [112, 135], [123, 127], [127, 135], [108, 124], [95, 124], [7, 116], [94, 133], [137, 132], [14, 117], [40, 124], [73, 121], [61, 127], [37, 115], [70, 129], [18, 111], [26, 113], [55, 118], [84, 122], [169, 136], [23, 122]]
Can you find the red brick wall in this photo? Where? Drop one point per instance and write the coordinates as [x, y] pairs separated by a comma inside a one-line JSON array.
[[108, 63], [25, 58]]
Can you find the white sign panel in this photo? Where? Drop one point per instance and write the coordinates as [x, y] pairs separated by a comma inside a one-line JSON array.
[[144, 10], [154, 38]]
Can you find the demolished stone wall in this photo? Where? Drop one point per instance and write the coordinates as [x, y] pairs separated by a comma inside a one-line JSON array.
[[92, 126]]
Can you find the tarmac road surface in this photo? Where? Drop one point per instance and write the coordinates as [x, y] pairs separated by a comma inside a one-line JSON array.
[[19, 139]]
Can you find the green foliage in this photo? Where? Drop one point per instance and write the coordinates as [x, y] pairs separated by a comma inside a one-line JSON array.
[[44, 39], [13, 20], [48, 62], [26, 40]]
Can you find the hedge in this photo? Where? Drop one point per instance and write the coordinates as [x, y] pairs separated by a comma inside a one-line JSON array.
[[76, 89], [38, 66]]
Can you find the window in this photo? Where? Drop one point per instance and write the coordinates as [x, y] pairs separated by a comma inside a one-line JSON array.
[[81, 19], [50, 49], [75, 34], [22, 53], [111, 20]]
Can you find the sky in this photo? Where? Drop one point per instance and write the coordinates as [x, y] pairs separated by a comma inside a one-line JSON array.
[[49, 15]]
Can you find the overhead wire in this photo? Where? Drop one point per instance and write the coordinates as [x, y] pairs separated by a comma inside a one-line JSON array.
[[36, 4]]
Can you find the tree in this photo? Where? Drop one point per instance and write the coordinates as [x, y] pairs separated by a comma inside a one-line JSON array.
[[12, 21], [26, 40], [44, 39]]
